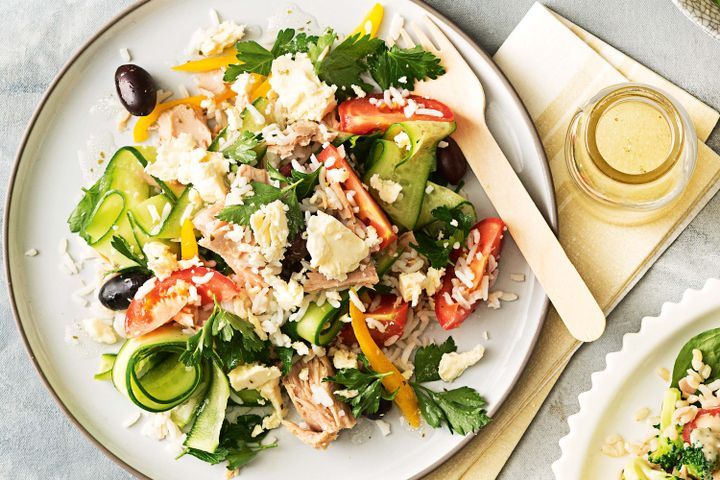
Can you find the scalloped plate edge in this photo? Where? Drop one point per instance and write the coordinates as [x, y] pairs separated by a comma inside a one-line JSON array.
[[692, 305]]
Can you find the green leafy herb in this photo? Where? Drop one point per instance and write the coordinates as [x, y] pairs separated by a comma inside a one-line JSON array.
[[343, 65], [454, 224], [427, 360], [84, 209], [225, 339], [237, 445], [359, 146], [255, 58], [285, 354], [243, 149], [708, 343], [388, 66], [303, 183], [365, 385], [462, 410], [128, 251]]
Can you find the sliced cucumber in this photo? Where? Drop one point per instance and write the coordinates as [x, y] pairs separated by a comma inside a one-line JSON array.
[[205, 432], [249, 121], [152, 223], [409, 168], [107, 360], [183, 209], [107, 214], [440, 196], [248, 398], [385, 260], [185, 413], [148, 371], [320, 324]]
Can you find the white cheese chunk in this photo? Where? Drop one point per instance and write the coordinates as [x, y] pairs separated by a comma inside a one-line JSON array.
[[301, 95], [99, 331], [388, 190], [453, 364], [344, 359], [270, 229], [334, 249], [288, 294], [252, 376], [402, 140], [161, 260], [213, 40], [411, 286]]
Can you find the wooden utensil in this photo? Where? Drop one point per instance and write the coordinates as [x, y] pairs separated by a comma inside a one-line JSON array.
[[542, 250]]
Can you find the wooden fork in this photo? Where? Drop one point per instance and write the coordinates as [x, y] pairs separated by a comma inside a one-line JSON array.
[[542, 250]]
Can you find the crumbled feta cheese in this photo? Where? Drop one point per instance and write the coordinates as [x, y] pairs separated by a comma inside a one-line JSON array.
[[410, 285], [348, 394], [32, 252], [334, 249], [216, 38], [453, 364], [443, 144], [517, 277], [304, 374], [388, 190], [99, 331], [288, 295], [383, 426], [179, 159], [433, 280], [508, 297], [402, 140], [270, 229], [429, 189], [300, 93], [344, 359], [125, 55], [243, 85], [403, 79], [320, 395], [161, 260], [337, 175], [252, 376]]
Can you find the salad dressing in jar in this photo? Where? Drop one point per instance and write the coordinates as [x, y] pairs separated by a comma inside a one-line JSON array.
[[631, 149]]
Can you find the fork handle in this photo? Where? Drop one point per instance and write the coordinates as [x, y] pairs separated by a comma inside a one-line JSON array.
[[561, 281]]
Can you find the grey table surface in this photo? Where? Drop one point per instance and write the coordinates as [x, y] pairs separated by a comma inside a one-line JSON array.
[[38, 36]]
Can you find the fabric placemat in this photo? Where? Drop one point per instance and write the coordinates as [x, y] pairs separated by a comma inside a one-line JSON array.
[[556, 66]]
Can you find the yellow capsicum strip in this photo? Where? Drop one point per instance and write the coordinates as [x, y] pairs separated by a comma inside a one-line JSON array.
[[372, 21], [140, 131], [405, 398], [188, 243], [208, 64]]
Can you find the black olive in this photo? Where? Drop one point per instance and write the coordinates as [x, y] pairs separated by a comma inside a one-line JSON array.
[[383, 408], [136, 89], [295, 253], [451, 163], [120, 289]]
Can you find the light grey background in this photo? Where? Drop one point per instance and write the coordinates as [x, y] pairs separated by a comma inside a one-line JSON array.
[[38, 36]]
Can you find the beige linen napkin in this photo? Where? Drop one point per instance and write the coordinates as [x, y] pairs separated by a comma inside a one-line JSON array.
[[555, 66]]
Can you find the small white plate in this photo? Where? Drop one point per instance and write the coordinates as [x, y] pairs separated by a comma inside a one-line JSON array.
[[630, 382], [45, 187]]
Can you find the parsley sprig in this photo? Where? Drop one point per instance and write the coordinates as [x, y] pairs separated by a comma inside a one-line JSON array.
[[237, 445], [128, 251], [244, 148], [427, 360], [462, 410], [389, 66], [454, 224], [367, 383], [299, 186], [225, 339]]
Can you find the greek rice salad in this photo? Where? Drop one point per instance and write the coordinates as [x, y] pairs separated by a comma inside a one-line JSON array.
[[280, 240], [685, 443]]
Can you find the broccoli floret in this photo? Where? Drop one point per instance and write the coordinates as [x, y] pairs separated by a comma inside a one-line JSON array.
[[697, 465], [668, 452]]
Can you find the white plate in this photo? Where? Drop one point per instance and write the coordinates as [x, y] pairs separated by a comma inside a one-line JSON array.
[[45, 188], [629, 383]]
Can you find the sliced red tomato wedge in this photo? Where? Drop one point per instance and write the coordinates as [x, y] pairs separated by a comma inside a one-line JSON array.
[[391, 311], [168, 297], [706, 417], [449, 314], [370, 212], [363, 115]]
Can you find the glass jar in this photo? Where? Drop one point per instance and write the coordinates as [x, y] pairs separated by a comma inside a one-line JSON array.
[[631, 148]]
